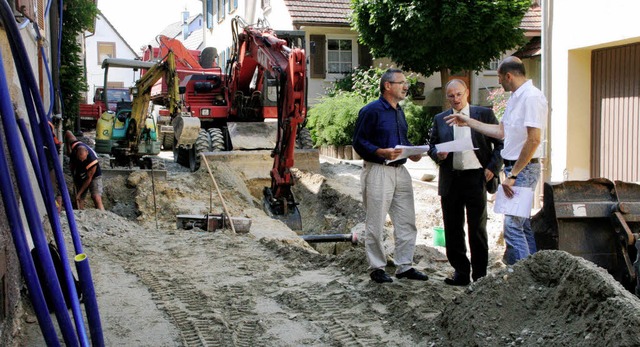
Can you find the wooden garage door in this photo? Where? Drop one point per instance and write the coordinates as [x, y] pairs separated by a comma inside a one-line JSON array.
[[615, 113]]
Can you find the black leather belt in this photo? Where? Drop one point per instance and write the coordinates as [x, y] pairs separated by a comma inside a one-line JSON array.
[[467, 172], [394, 164], [513, 162]]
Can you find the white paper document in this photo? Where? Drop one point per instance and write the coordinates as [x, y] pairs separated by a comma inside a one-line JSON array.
[[461, 145], [519, 205], [408, 151]]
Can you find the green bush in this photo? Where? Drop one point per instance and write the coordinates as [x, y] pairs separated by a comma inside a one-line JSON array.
[[420, 121], [332, 121]]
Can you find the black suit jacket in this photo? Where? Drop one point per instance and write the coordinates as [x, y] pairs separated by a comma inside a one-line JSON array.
[[488, 151]]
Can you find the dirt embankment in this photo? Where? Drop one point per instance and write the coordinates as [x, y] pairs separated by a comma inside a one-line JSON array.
[[161, 286]]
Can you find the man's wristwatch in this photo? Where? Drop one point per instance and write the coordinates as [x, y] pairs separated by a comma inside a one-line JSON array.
[[513, 177]]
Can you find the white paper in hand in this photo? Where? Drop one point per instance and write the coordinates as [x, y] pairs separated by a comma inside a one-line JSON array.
[[519, 205], [408, 151]]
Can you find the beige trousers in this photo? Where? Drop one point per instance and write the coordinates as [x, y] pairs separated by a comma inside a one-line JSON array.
[[388, 190]]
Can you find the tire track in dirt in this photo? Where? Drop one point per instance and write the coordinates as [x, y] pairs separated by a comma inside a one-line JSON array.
[[317, 304], [225, 319]]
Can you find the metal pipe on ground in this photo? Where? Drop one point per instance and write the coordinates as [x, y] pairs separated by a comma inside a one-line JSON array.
[[353, 238]]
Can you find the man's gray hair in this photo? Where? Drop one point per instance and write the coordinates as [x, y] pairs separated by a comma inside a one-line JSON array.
[[387, 76], [455, 81]]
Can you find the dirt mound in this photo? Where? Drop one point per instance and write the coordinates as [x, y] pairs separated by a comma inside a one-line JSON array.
[[552, 298]]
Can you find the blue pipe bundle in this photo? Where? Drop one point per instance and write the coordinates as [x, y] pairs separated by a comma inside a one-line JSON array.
[[44, 146]]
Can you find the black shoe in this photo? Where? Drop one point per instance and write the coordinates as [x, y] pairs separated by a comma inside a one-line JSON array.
[[413, 274], [457, 280], [379, 276], [477, 278]]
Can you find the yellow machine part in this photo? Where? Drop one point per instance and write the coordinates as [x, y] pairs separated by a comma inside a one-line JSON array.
[[104, 126]]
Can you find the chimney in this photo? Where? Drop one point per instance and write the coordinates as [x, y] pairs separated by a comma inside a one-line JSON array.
[[185, 24]]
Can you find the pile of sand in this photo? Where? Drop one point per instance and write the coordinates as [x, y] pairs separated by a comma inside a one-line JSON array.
[[551, 298]]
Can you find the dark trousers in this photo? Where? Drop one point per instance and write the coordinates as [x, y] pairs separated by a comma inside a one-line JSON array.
[[467, 192]]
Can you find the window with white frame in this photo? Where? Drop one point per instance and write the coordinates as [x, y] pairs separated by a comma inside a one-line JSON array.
[[493, 65], [339, 56], [106, 50]]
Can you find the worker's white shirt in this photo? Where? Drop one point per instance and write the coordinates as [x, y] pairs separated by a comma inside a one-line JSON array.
[[465, 160], [527, 107]]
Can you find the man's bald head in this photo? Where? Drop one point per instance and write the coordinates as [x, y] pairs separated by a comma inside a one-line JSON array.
[[512, 65]]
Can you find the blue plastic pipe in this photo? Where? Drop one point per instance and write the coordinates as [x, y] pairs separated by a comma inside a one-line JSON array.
[[95, 327], [20, 57], [50, 200], [31, 96], [17, 230], [37, 232]]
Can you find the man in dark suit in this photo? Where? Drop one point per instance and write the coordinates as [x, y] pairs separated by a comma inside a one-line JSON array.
[[462, 184]]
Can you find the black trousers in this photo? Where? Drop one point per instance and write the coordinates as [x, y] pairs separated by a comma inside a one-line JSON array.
[[467, 193]]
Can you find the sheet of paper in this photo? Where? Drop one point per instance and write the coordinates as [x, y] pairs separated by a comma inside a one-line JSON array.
[[408, 151], [519, 205], [460, 145]]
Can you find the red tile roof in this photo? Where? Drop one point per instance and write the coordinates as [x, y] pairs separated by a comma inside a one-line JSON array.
[[319, 12], [336, 13], [532, 20]]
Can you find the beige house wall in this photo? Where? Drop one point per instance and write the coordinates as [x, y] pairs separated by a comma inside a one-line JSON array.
[[574, 29]]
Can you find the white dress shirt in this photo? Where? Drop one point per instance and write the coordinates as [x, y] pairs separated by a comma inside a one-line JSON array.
[[465, 160]]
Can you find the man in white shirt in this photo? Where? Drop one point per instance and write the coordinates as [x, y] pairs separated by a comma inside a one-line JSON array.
[[521, 128], [462, 184]]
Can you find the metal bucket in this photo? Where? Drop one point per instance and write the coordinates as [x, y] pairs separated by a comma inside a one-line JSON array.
[[579, 217]]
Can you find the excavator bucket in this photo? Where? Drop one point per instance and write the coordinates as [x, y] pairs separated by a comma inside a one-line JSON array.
[[595, 220], [253, 135], [253, 143], [291, 218]]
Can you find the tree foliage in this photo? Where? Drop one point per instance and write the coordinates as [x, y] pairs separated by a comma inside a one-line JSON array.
[[77, 17], [427, 36]]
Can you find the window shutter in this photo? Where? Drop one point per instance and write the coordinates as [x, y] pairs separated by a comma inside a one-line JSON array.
[[318, 56], [365, 59], [210, 13]]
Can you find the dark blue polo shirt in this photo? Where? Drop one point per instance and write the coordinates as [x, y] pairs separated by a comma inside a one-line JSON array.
[[379, 126]]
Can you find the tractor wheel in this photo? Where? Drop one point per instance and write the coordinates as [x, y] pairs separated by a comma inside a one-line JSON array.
[[167, 141], [217, 139], [203, 144], [303, 140]]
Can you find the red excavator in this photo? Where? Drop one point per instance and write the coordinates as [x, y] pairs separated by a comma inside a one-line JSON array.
[[261, 61], [259, 105]]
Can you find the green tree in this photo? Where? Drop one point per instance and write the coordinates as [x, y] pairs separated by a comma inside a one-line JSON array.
[[78, 16], [437, 36]]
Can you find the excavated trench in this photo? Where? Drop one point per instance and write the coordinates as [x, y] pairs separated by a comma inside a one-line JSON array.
[[326, 208]]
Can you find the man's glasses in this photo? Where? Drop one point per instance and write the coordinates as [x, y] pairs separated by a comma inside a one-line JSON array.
[[400, 82], [457, 95]]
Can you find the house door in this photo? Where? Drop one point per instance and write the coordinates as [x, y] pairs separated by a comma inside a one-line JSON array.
[[615, 113]]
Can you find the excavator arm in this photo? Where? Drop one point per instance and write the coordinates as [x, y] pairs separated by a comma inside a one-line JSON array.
[[142, 94], [258, 51]]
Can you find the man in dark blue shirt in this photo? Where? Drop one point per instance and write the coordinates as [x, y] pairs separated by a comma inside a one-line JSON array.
[[386, 184], [86, 172]]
